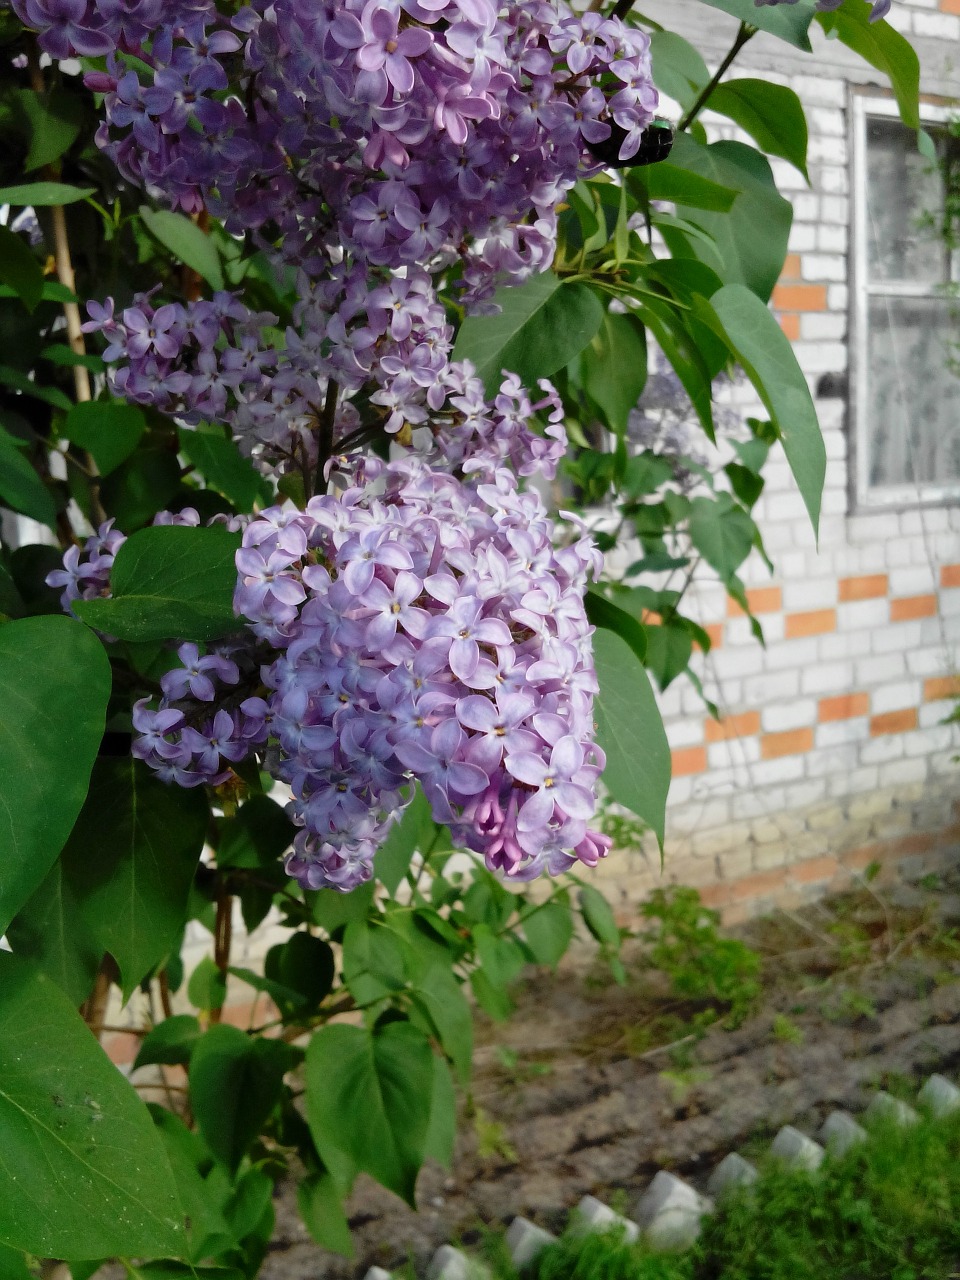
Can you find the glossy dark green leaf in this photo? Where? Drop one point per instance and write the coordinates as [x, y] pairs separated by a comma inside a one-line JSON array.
[[630, 731], [88, 1176], [768, 359], [235, 1082], [130, 861], [446, 1006], [108, 429], [666, 181], [170, 1042], [542, 325], [318, 1200], [413, 832], [52, 931], [40, 194], [598, 917], [374, 961], [306, 966], [170, 583], [604, 612], [186, 241], [143, 484], [21, 489], [678, 69], [883, 47], [385, 1076], [772, 114], [207, 987], [54, 119], [548, 930], [750, 239], [722, 532], [46, 665], [442, 1130], [615, 367], [202, 1186], [224, 467], [20, 269], [669, 647], [789, 23], [256, 837]]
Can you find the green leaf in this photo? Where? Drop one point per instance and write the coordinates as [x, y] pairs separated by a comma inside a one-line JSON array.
[[186, 241], [772, 114], [790, 24], [767, 357], [235, 1082], [630, 731], [442, 1130], [130, 862], [87, 1173], [170, 1042], [110, 430], [145, 483], [884, 48], [415, 831], [305, 965], [21, 489], [722, 532], [170, 583], [54, 119], [668, 651], [219, 460], [59, 353], [46, 665], [51, 931], [385, 1076], [203, 1187], [449, 1013], [602, 612], [548, 930], [750, 239], [598, 917], [374, 962], [256, 837], [542, 325], [678, 69], [666, 181], [40, 194], [20, 269], [207, 988], [19, 381], [322, 1211], [615, 367]]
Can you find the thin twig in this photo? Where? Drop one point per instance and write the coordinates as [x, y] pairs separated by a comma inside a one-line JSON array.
[[222, 938], [325, 431], [745, 33]]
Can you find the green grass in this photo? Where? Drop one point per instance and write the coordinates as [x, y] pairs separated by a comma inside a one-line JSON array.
[[889, 1210]]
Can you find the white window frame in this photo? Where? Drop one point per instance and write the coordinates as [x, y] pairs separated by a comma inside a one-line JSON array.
[[865, 498]]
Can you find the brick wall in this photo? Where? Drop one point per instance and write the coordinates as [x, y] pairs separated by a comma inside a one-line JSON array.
[[831, 753]]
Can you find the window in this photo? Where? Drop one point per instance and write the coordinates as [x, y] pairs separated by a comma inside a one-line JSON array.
[[907, 311]]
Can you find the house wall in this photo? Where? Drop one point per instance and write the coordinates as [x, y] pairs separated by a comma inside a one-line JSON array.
[[831, 754]]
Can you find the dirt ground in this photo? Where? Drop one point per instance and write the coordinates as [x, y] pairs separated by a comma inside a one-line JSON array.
[[586, 1090]]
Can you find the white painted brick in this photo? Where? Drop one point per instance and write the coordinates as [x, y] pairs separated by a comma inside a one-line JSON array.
[[942, 26], [824, 266], [684, 733], [800, 795], [727, 662], [880, 670], [837, 297], [786, 769], [928, 662], [834, 762], [862, 615], [924, 520], [854, 781], [739, 632], [803, 236], [700, 817], [806, 208], [899, 637], [833, 239], [944, 762], [853, 644], [879, 750], [903, 772], [826, 677], [781, 716], [681, 791], [926, 742], [817, 593], [816, 326], [771, 686], [914, 580], [733, 752], [895, 697], [836, 733], [931, 715], [791, 654], [755, 804], [834, 209]]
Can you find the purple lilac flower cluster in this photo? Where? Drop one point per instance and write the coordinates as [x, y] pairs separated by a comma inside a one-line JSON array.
[[409, 626], [208, 359]]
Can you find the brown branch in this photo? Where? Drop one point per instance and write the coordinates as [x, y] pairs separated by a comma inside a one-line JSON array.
[[222, 938], [94, 1009], [325, 431]]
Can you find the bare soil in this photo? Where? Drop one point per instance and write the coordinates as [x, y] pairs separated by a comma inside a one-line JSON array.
[[586, 1089]]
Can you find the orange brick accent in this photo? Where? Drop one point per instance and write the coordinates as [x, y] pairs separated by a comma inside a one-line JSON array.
[[950, 6], [715, 631], [790, 324], [938, 688], [814, 623], [122, 1048], [758, 884], [814, 869], [689, 760], [894, 721], [741, 726], [792, 743], [791, 267], [800, 297], [912, 607], [845, 707], [874, 584], [760, 600], [950, 575]]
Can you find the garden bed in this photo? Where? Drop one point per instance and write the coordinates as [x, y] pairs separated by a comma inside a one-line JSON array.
[[592, 1087]]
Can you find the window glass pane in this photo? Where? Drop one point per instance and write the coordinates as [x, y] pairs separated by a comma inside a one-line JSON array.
[[912, 391], [905, 199]]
